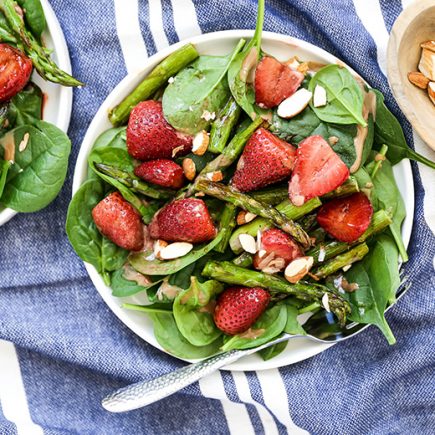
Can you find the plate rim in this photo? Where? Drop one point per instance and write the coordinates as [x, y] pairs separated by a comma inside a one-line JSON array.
[[65, 99], [80, 172]]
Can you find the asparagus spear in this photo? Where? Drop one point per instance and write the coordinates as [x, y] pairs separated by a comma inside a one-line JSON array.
[[355, 254], [134, 183], [271, 195], [227, 224], [231, 274], [228, 194], [157, 78], [348, 187], [380, 220], [223, 126], [286, 208], [243, 260], [38, 54]]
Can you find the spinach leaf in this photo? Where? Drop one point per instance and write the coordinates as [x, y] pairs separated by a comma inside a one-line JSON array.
[[170, 338], [368, 143], [388, 197], [156, 267], [273, 351], [293, 326], [193, 318], [269, 325], [39, 171], [378, 279], [114, 138], [388, 131], [197, 88], [307, 123], [238, 71], [153, 308], [4, 169], [25, 108], [122, 287], [83, 234], [34, 16], [345, 97], [182, 277]]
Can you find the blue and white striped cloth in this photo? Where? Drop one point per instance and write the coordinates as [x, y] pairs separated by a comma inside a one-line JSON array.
[[69, 349]]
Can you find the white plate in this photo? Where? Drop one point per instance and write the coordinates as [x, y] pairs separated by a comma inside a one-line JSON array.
[[219, 43], [58, 99]]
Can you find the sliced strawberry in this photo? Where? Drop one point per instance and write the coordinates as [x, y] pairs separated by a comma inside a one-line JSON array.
[[149, 136], [162, 172], [265, 160], [15, 71], [276, 251], [119, 221], [346, 218], [238, 308], [318, 170], [183, 220], [274, 82]]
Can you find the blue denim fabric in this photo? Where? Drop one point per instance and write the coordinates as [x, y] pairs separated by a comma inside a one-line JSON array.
[[73, 350]]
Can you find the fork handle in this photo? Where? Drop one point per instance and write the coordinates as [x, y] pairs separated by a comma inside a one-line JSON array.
[[146, 392]]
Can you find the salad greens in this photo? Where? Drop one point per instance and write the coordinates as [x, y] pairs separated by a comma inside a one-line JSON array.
[[347, 280]]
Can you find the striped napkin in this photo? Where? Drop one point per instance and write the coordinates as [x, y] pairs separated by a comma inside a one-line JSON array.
[[69, 350]]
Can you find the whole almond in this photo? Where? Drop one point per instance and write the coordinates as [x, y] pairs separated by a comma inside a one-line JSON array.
[[298, 268], [431, 91], [244, 217], [175, 250], [215, 176], [418, 79], [430, 45], [189, 169]]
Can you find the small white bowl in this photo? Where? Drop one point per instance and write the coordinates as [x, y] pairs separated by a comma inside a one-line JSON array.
[[218, 43], [58, 99]]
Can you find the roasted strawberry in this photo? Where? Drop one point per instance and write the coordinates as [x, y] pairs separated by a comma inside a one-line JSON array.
[[238, 308], [149, 136], [265, 160], [183, 220], [119, 221], [276, 251], [318, 170], [346, 218], [274, 82], [15, 71], [163, 172]]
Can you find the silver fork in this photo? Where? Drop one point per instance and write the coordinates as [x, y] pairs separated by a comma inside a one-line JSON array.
[[146, 392]]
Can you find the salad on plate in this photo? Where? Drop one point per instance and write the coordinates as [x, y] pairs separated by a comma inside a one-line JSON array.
[[33, 153], [236, 193]]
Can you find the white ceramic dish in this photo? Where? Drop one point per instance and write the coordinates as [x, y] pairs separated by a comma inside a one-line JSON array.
[[219, 43], [58, 99]]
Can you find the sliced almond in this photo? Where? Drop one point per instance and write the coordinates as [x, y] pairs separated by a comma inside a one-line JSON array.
[[248, 243], [200, 143], [189, 169], [244, 217], [175, 250], [430, 45], [325, 302], [294, 104], [298, 268], [293, 63], [274, 266], [158, 246], [319, 97], [418, 79], [427, 63], [333, 140], [431, 91], [215, 176]]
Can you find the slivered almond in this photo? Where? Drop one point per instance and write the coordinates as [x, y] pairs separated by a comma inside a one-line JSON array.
[[244, 217], [189, 169], [215, 176], [298, 268], [418, 79], [175, 250], [200, 143], [158, 246], [294, 104], [431, 91], [319, 97], [248, 243]]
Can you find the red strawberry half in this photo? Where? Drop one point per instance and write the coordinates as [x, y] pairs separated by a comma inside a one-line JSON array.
[[346, 218], [318, 170], [277, 249], [274, 82], [265, 160], [238, 308], [149, 136], [119, 221], [162, 172], [183, 220]]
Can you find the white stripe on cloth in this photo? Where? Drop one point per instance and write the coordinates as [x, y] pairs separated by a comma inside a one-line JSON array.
[[276, 399], [244, 393], [156, 24], [185, 19], [13, 398], [129, 34], [369, 12], [236, 414]]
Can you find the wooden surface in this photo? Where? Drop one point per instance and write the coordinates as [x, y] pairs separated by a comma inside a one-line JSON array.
[[415, 25]]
